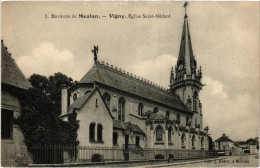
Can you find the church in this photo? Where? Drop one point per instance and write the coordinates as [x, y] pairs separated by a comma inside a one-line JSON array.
[[118, 109]]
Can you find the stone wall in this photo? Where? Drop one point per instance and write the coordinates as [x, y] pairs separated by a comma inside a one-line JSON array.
[[13, 151]]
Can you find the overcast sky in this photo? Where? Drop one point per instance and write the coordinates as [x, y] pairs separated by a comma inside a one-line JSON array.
[[225, 39]]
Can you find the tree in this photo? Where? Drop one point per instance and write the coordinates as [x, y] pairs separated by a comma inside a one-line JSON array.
[[54, 89], [51, 87], [39, 82], [40, 107]]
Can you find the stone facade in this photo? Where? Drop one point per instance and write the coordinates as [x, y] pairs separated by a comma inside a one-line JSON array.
[[13, 148]]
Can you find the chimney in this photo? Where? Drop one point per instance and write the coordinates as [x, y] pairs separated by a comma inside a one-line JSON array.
[[64, 99]]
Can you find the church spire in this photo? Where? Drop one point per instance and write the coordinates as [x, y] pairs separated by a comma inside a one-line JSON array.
[[186, 68], [186, 63], [187, 80]]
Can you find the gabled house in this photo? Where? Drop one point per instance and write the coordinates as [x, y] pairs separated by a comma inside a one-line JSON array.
[[224, 144], [14, 84]]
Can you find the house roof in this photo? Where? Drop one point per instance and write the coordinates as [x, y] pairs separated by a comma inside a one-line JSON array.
[[118, 79], [123, 125], [156, 116], [78, 104], [223, 138], [11, 73]]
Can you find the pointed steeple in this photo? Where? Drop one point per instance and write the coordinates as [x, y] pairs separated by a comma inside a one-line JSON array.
[[186, 71], [186, 63], [187, 81]]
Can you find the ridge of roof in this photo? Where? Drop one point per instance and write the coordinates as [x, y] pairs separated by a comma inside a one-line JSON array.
[[11, 74], [127, 74], [223, 138], [116, 78]]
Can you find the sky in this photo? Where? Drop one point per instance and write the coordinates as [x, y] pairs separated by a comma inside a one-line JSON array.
[[224, 35]]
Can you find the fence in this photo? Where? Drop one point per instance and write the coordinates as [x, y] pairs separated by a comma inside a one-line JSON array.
[[70, 154]]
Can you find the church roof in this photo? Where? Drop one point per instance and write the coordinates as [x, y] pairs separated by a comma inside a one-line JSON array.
[[11, 73], [123, 125], [118, 79], [223, 138]]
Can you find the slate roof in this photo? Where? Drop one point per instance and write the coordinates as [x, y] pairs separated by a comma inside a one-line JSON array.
[[223, 138], [117, 79], [186, 44], [123, 125], [156, 116], [11, 74], [79, 102]]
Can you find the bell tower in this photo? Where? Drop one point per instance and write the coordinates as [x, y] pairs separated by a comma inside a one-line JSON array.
[[186, 81]]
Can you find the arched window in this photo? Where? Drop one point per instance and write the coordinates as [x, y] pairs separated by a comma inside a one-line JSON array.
[[92, 132], [88, 91], [193, 141], [75, 97], [137, 141], [187, 120], [195, 97], [170, 134], [107, 98], [140, 109], [121, 109], [99, 132], [155, 110], [159, 133], [115, 136], [167, 114], [183, 140], [202, 142], [178, 117]]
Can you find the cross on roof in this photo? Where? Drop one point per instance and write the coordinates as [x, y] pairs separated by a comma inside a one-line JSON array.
[[185, 5]]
